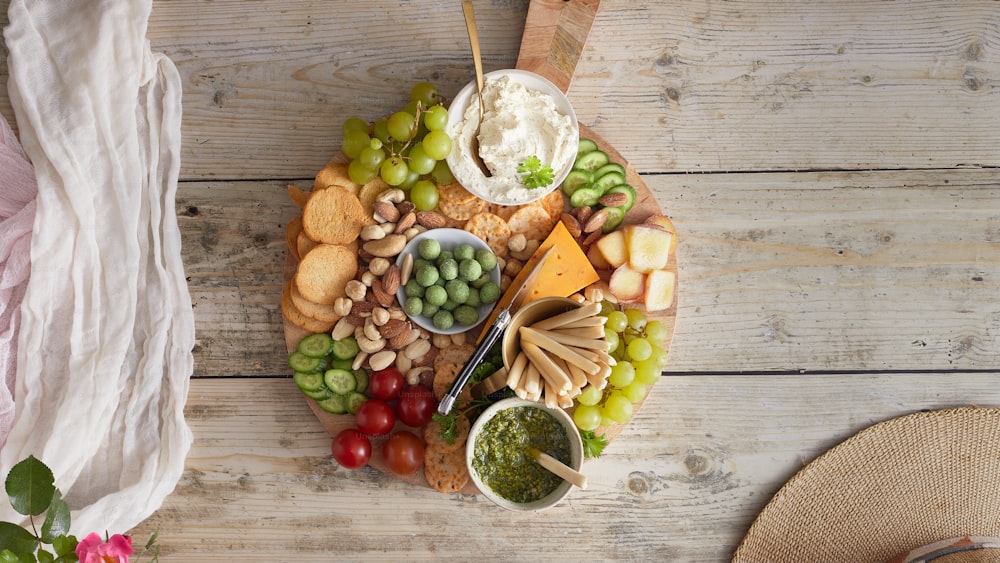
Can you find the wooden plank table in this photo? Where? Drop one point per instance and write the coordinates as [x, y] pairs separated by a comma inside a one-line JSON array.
[[832, 169]]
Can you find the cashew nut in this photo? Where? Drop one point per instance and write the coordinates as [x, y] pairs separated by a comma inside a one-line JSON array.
[[392, 195]]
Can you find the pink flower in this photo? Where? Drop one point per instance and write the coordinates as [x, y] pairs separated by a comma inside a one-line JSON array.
[[93, 550]]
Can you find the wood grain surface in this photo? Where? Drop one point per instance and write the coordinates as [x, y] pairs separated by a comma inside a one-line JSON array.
[[832, 169]]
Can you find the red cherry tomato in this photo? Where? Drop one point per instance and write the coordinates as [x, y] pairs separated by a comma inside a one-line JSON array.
[[386, 384], [403, 453], [375, 418], [416, 405], [351, 449]]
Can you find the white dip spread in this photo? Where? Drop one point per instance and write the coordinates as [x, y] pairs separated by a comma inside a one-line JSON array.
[[518, 123]]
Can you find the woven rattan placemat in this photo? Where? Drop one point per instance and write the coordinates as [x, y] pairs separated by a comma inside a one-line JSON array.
[[893, 487]]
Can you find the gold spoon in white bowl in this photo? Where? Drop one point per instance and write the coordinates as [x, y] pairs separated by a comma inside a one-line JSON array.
[[559, 468], [477, 59]]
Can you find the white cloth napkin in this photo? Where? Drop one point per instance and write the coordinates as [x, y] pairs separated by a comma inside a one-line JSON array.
[[107, 329]]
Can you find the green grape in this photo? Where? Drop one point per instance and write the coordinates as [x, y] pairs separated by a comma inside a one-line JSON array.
[[442, 174], [590, 396], [647, 372], [401, 125], [411, 107], [605, 421], [587, 417], [381, 130], [354, 142], [659, 356], [419, 161], [612, 338], [622, 375], [426, 93], [355, 124], [617, 321], [371, 158], [375, 143], [636, 318], [639, 349], [634, 392], [394, 171], [435, 118], [656, 331], [424, 195], [617, 407], [606, 307], [359, 173], [437, 145], [411, 179]]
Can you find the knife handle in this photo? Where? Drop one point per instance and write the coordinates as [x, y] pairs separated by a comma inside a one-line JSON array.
[[489, 339]]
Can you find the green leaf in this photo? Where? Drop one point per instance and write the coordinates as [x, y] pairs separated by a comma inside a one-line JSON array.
[[8, 556], [535, 175], [16, 539], [593, 445], [56, 519], [30, 486], [45, 556], [65, 546]]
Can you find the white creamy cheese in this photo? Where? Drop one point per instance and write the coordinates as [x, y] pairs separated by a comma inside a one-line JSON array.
[[518, 123]]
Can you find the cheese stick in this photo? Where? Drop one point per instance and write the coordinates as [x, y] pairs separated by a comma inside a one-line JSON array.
[[567, 368], [516, 371], [582, 323], [597, 381], [546, 367], [565, 401], [582, 312], [551, 395], [531, 380], [596, 331], [521, 393], [577, 376], [572, 339], [570, 355]]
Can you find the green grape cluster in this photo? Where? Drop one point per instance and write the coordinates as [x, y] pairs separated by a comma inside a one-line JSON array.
[[406, 149], [636, 346]]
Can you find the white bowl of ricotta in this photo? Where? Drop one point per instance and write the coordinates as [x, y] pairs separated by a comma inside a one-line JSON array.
[[526, 115]]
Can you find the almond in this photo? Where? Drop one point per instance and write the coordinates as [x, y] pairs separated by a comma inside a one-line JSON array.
[[616, 199], [386, 211], [408, 220], [405, 207], [391, 279], [572, 225], [431, 219], [393, 328], [361, 308], [583, 214], [383, 297], [596, 221], [401, 340]]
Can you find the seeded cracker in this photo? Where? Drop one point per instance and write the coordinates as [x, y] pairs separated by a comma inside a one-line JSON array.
[[554, 203], [324, 272], [533, 221], [333, 216], [446, 471], [456, 202], [432, 435], [492, 229]]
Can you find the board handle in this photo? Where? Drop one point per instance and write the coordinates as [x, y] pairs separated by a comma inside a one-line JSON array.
[[555, 32]]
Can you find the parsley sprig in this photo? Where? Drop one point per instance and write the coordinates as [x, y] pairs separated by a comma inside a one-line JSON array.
[[593, 445], [534, 174]]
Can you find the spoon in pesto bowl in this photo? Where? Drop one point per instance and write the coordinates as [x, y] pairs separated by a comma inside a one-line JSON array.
[[557, 467], [477, 59]]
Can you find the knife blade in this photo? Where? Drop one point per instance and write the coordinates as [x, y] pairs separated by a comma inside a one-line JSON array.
[[490, 338]]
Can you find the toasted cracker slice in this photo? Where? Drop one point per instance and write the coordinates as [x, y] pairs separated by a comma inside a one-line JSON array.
[[298, 196], [297, 317], [333, 216], [324, 271], [317, 311], [292, 232], [304, 244], [446, 471], [367, 197], [492, 229], [335, 174]]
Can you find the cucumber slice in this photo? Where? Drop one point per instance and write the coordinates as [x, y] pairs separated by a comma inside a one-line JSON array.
[[627, 190], [336, 404], [354, 401], [615, 217], [585, 146], [301, 362], [316, 345], [340, 381], [585, 196], [610, 167], [342, 364], [362, 378], [575, 179], [319, 394], [311, 381], [345, 348], [591, 161], [608, 181]]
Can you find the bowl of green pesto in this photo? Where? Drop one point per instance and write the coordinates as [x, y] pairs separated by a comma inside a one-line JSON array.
[[497, 458]]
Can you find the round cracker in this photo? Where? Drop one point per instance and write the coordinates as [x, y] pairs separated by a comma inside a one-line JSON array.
[[456, 202], [554, 203], [324, 272], [335, 174], [317, 311], [491, 229], [292, 232], [333, 216], [533, 221], [298, 196], [303, 244], [297, 317], [446, 471], [367, 197], [432, 435]]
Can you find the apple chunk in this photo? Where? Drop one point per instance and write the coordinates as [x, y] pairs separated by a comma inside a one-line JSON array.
[[660, 288], [626, 284], [666, 224], [612, 248], [648, 247]]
